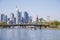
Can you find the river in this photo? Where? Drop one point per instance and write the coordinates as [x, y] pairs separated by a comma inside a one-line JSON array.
[[28, 34]]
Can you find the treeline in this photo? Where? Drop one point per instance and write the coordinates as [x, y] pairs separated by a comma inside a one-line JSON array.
[[2, 23], [54, 24]]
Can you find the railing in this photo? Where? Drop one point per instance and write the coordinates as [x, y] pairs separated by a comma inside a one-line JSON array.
[[25, 25]]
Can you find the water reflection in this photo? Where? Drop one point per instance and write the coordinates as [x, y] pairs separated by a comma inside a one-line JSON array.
[[27, 34]]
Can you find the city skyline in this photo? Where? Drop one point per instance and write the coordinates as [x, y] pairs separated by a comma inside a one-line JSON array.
[[18, 19], [35, 8]]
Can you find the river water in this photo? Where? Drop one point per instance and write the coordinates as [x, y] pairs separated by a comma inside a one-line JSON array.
[[28, 34]]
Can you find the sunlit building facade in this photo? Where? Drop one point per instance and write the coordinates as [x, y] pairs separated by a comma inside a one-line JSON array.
[[18, 16]]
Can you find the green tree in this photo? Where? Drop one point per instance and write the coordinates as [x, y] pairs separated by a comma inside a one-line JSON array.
[[54, 24], [41, 19], [2, 23]]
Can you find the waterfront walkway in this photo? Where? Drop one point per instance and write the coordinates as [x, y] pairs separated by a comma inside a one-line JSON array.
[[25, 25]]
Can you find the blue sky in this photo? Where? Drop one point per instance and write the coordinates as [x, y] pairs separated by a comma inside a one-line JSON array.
[[40, 8]]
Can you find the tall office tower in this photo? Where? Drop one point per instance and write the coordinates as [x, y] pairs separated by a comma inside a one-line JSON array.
[[30, 19], [14, 20], [37, 19], [22, 20], [2, 17], [18, 16], [12, 17], [26, 17], [8, 20], [5, 18]]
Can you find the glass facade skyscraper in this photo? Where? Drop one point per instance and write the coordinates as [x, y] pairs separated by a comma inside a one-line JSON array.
[[12, 18], [18, 16], [26, 17], [30, 19], [12, 15], [3, 18]]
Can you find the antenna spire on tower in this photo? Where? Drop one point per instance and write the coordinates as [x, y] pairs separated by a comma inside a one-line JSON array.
[[16, 8]]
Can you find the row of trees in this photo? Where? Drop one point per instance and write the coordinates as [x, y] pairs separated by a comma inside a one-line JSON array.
[[52, 23], [2, 23]]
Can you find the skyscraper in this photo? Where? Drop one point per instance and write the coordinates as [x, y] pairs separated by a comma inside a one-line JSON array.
[[3, 18], [22, 20], [8, 19], [18, 16], [30, 19], [12, 18], [26, 17], [37, 20], [12, 15]]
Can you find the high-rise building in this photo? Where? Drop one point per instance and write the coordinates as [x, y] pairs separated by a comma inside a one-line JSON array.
[[12, 15], [18, 16], [37, 20], [30, 19], [3, 18], [23, 20], [8, 20], [14, 20], [26, 17]]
